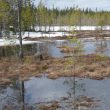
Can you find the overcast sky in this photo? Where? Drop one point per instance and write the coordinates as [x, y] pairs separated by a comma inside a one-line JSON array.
[[100, 4]]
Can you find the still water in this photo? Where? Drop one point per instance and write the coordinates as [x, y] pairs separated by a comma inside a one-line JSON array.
[[51, 47], [41, 90]]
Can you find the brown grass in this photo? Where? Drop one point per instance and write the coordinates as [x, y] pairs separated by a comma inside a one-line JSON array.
[[54, 106], [84, 66]]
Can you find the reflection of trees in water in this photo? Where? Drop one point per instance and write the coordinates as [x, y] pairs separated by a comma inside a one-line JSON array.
[[29, 49], [77, 98], [61, 43], [42, 47], [101, 46], [76, 90], [12, 97], [22, 90], [75, 86], [9, 101]]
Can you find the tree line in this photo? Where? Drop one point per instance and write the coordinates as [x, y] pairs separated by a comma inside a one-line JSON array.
[[40, 15]]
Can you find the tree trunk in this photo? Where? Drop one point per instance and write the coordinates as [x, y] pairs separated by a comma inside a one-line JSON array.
[[19, 27]]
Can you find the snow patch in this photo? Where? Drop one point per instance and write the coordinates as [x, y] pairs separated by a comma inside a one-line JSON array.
[[41, 34], [15, 42], [59, 31], [69, 28]]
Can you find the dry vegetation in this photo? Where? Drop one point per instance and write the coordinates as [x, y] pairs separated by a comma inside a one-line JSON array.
[[81, 102], [53, 106], [86, 66], [66, 49], [11, 69], [84, 102]]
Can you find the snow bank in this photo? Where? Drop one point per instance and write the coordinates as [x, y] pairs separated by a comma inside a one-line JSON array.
[[5, 42]]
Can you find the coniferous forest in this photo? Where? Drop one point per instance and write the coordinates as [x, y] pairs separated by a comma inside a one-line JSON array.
[[37, 16]]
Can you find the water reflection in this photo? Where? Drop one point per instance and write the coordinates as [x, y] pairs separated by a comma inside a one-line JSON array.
[[37, 90], [28, 49], [28, 95], [89, 47], [101, 47], [10, 97], [51, 48]]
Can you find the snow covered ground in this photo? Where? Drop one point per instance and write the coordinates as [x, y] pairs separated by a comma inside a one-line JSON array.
[[61, 30], [57, 31], [54, 33], [40, 34], [68, 28], [4, 42]]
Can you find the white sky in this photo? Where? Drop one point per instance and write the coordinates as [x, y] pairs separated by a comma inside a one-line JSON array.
[[93, 4]]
